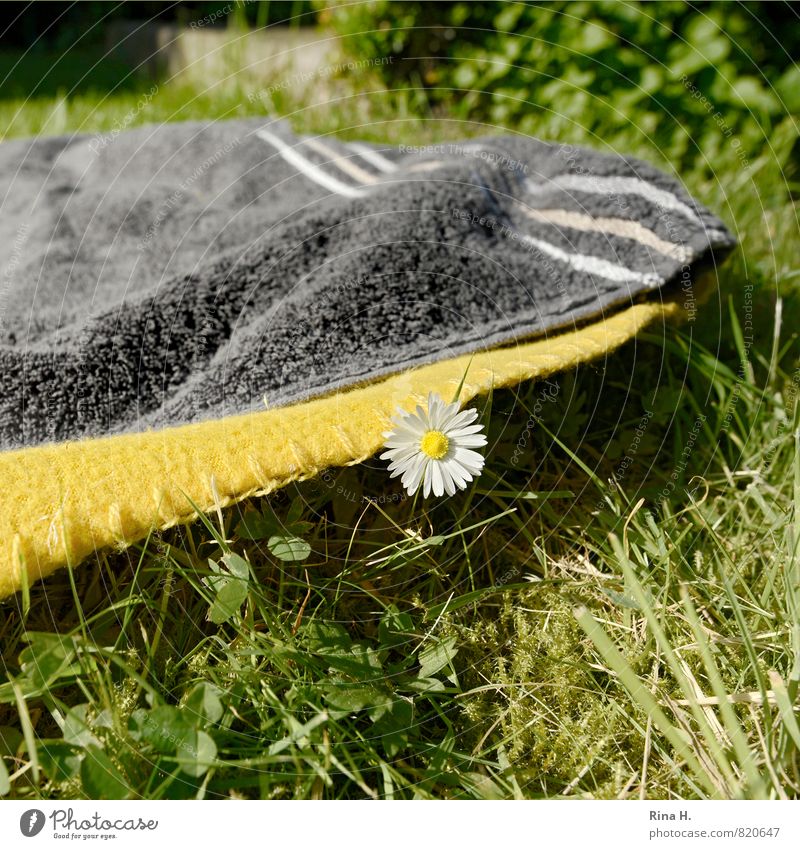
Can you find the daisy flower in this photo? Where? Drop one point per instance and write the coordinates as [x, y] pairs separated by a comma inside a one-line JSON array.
[[434, 449]]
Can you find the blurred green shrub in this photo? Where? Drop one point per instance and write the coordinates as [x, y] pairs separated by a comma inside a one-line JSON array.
[[701, 72]]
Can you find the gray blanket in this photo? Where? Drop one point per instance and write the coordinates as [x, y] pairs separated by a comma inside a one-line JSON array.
[[177, 273]]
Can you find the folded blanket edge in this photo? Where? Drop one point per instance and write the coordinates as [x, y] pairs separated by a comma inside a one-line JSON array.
[[63, 502]]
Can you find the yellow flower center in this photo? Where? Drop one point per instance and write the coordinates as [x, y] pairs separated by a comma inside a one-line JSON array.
[[435, 444]]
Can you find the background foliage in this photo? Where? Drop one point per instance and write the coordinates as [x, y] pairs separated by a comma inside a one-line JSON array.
[[602, 65], [612, 615]]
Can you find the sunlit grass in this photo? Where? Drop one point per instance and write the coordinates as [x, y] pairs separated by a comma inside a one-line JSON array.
[[612, 611]]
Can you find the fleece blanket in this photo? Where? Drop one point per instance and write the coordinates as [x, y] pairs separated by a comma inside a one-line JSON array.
[[198, 312]]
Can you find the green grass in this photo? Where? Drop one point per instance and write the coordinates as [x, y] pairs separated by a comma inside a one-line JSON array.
[[611, 612]]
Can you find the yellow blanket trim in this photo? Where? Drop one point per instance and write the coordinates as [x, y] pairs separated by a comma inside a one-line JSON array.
[[59, 503]]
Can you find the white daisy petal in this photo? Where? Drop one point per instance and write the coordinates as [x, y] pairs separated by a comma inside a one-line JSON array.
[[426, 485], [450, 480], [410, 426], [437, 481], [402, 466], [470, 460], [432, 448], [413, 427], [454, 433], [475, 441], [464, 418], [394, 450], [414, 477], [401, 442], [409, 445], [448, 487], [447, 416], [472, 471], [459, 473], [433, 414], [402, 463], [447, 412], [461, 483]]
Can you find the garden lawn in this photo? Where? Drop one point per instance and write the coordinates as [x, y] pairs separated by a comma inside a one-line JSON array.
[[610, 612]]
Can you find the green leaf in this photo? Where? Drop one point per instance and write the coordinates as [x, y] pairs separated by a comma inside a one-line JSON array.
[[165, 728], [395, 727], [198, 754], [230, 598], [508, 16], [424, 685], [203, 704], [786, 707], [689, 60], [700, 29], [482, 786], [361, 662], [77, 731], [284, 539], [290, 549], [347, 497], [295, 510], [352, 698], [59, 760], [325, 637], [10, 740], [620, 599], [395, 628], [594, 37], [754, 95], [667, 400], [48, 658], [788, 88], [652, 79], [100, 777], [436, 656], [254, 525], [230, 586], [381, 704], [465, 75], [237, 566], [300, 734], [136, 723], [5, 782]]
